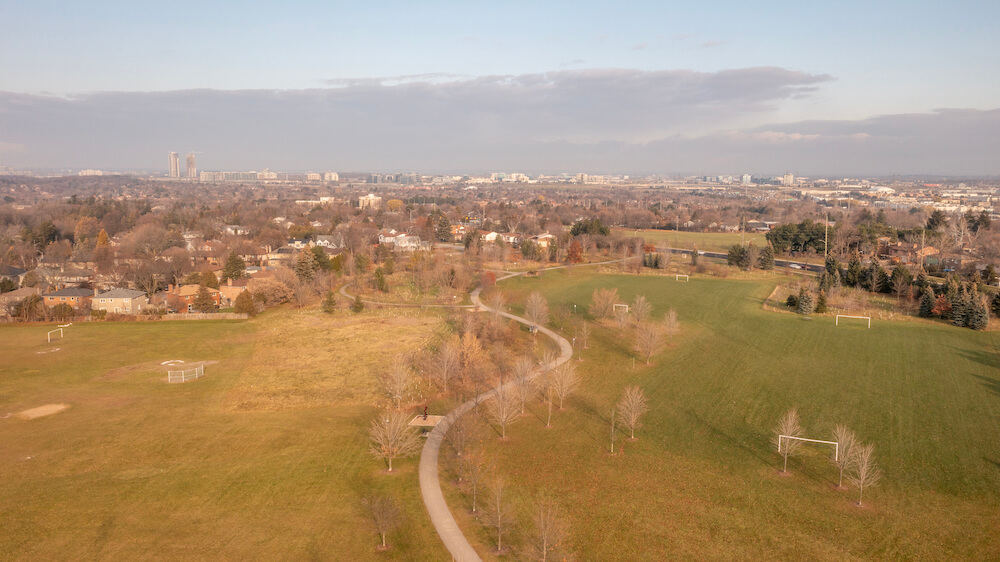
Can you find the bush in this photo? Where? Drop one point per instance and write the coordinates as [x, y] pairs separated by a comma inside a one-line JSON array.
[[357, 306], [99, 314], [792, 301], [244, 304]]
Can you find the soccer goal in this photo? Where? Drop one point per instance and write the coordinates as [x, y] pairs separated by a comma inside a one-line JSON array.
[[58, 331], [187, 374], [868, 318], [618, 307], [681, 277], [786, 438]]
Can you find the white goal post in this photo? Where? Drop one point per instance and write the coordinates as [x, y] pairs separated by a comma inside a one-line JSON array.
[[868, 318], [187, 374], [49, 335], [836, 445], [625, 306], [678, 277]]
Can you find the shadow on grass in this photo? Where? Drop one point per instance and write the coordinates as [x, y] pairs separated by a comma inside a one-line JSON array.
[[993, 462], [991, 360], [992, 385]]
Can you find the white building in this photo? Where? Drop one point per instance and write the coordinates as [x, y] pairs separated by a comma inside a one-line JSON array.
[[371, 201], [331, 176]]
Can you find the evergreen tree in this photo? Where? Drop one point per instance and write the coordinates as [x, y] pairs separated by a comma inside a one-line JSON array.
[[322, 260], [208, 279], [832, 265], [305, 266], [694, 256], [960, 309], [766, 259], [806, 302], [821, 302], [927, 303], [244, 304], [900, 272], [995, 305], [357, 306], [836, 279], [736, 255], [792, 301], [443, 230], [979, 315], [855, 271], [379, 280], [330, 303], [825, 281], [990, 275], [203, 301], [235, 268]]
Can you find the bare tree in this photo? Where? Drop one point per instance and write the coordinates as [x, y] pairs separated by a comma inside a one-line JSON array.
[[632, 406], [391, 437], [751, 256], [502, 407], [864, 472], [547, 536], [648, 340], [563, 381], [448, 363], [671, 327], [614, 430], [548, 394], [602, 302], [523, 383], [396, 382], [537, 309], [845, 450], [475, 465], [498, 514], [621, 317], [497, 303], [385, 514], [641, 309], [788, 426], [462, 433], [584, 335]]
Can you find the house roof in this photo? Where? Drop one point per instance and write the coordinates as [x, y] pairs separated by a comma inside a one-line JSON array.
[[11, 271], [121, 294], [71, 292], [19, 293]]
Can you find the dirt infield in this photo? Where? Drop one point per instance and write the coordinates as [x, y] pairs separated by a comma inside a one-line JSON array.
[[41, 411]]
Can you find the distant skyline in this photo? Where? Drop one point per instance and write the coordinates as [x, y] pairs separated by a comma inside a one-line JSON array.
[[717, 87]]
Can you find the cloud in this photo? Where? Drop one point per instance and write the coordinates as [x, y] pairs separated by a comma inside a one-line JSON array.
[[573, 62], [589, 119], [640, 46], [712, 44]]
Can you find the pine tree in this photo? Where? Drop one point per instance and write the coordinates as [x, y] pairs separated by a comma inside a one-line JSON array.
[[330, 303], [855, 271], [235, 268], [927, 303], [736, 255], [766, 259], [821, 302], [979, 316], [379, 280], [805, 307], [995, 305], [208, 279], [203, 301], [960, 309], [305, 266], [357, 306]]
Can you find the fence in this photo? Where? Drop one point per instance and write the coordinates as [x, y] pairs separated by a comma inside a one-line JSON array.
[[187, 374], [201, 316]]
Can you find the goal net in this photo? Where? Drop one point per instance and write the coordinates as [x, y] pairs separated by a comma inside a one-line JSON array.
[[786, 438], [618, 307], [681, 277], [868, 318], [58, 332], [186, 374]]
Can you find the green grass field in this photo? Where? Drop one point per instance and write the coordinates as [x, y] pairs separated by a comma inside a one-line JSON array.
[[241, 464], [706, 241], [702, 480]]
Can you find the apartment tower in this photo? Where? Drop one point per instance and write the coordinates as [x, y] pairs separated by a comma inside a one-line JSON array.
[[192, 168], [175, 165]]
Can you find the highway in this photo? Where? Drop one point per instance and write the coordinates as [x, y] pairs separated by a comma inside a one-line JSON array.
[[721, 255]]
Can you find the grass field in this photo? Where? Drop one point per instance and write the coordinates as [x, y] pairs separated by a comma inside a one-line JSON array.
[[706, 241], [702, 480], [263, 458]]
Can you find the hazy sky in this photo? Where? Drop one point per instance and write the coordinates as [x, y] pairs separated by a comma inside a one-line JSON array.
[[708, 87]]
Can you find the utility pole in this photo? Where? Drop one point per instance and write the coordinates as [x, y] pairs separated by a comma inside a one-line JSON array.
[[826, 229]]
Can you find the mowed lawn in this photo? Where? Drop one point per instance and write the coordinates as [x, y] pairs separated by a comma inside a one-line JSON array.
[[706, 241], [140, 469], [702, 480]]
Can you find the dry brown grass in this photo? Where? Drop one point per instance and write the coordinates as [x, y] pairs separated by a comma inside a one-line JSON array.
[[308, 359]]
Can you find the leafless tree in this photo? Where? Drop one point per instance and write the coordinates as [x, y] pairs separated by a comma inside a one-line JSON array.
[[503, 407], [614, 430], [448, 363], [752, 256], [900, 286], [537, 309], [523, 383], [564, 381], [391, 437], [548, 395], [641, 309], [602, 302], [633, 405], [385, 514], [648, 340], [547, 537], [584, 335], [462, 434], [788, 426], [497, 303], [863, 470], [498, 514], [671, 326], [475, 464], [845, 450], [396, 382], [621, 317]]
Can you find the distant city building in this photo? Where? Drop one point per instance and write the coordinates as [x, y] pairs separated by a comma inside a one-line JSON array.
[[175, 165], [192, 167], [331, 176], [10, 171], [90, 173], [228, 176], [313, 176], [747, 179], [788, 180], [371, 201], [267, 175]]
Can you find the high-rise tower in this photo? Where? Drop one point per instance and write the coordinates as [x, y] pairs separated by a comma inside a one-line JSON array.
[[175, 165], [192, 168]]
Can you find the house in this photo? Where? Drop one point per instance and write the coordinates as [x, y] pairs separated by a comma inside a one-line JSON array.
[[330, 240], [181, 297], [15, 274], [236, 230], [511, 238], [68, 277], [903, 252], [73, 296], [282, 255], [544, 240], [299, 243], [230, 290], [458, 232], [487, 236], [120, 301], [10, 299]]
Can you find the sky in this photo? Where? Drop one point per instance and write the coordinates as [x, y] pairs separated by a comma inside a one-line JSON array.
[[848, 88]]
